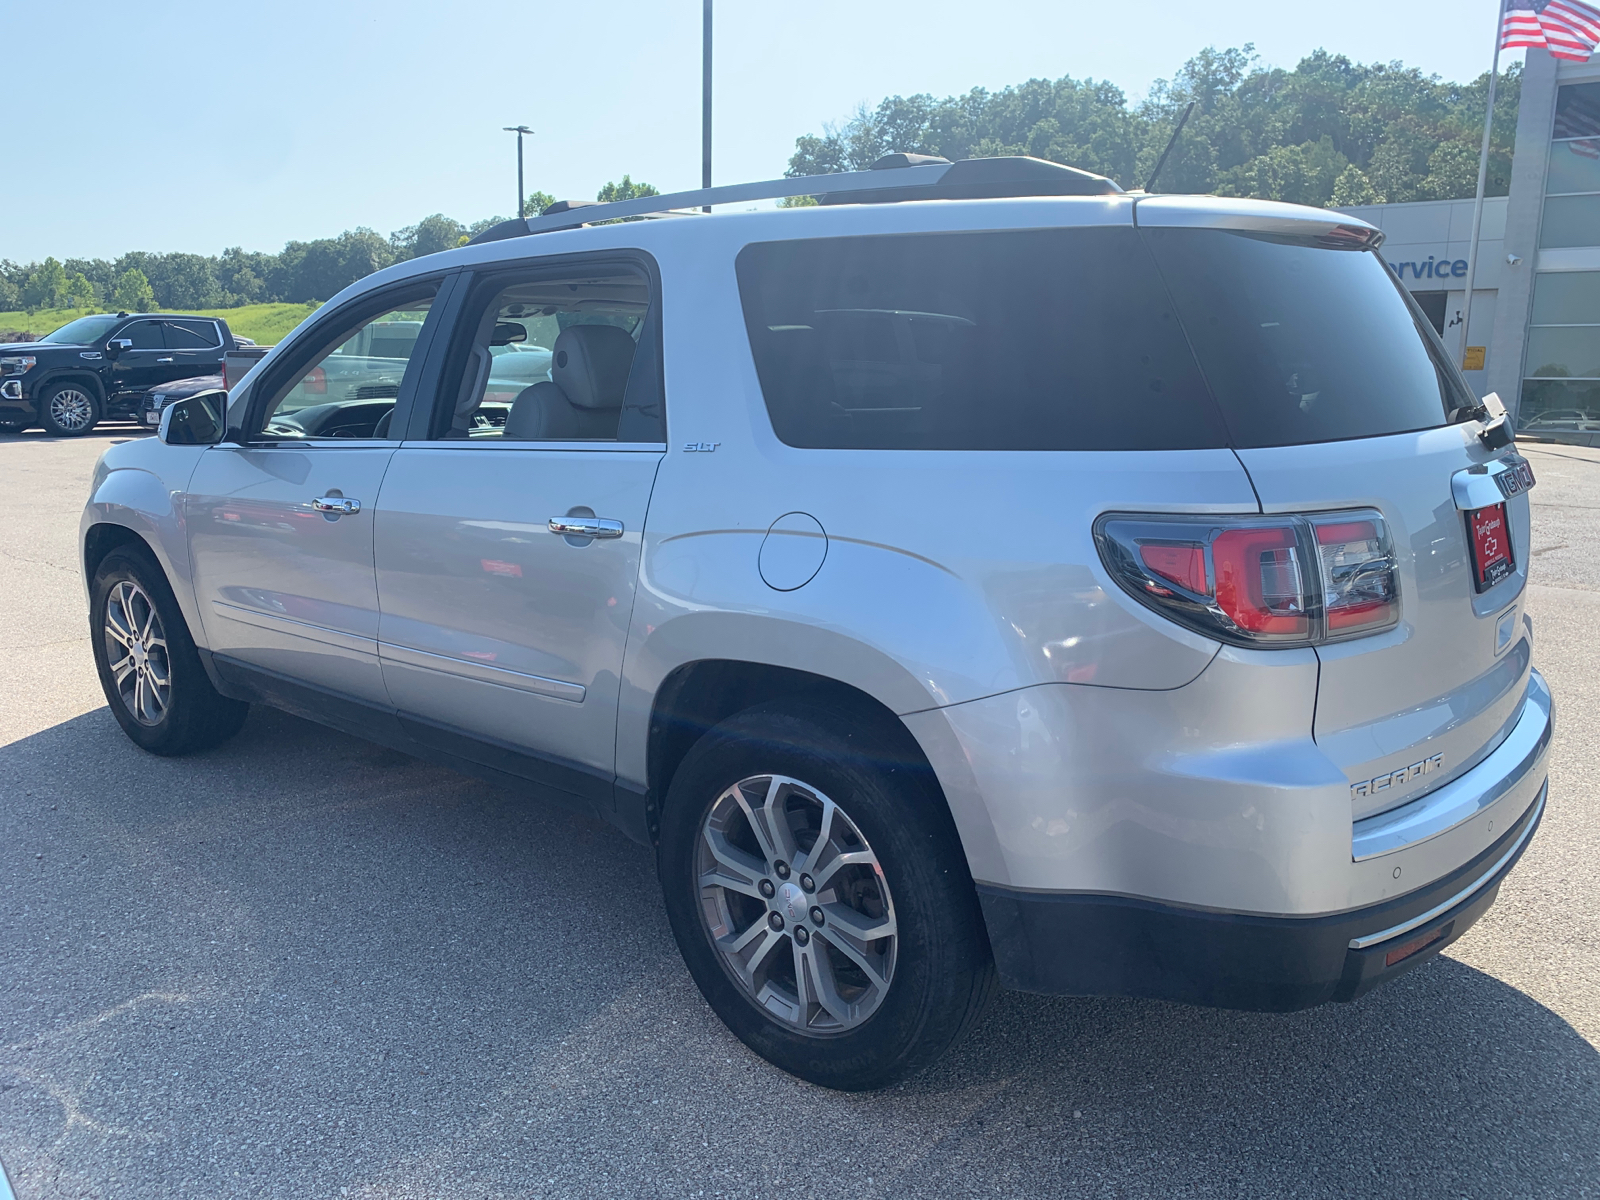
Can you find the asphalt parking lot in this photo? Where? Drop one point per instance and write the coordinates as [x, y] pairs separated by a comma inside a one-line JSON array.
[[301, 965]]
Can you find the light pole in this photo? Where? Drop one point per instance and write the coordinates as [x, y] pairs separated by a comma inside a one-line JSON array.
[[522, 196], [705, 103]]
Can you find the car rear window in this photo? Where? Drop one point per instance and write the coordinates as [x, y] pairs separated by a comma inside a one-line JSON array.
[[1304, 343], [1059, 339]]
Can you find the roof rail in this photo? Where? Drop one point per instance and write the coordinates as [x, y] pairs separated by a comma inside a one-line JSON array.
[[915, 177]]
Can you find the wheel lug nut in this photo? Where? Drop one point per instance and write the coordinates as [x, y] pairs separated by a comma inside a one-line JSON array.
[[765, 888], [808, 883], [775, 920], [816, 915], [782, 870], [802, 935]]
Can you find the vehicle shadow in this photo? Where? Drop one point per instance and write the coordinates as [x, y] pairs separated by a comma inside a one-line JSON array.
[[301, 962], [107, 431]]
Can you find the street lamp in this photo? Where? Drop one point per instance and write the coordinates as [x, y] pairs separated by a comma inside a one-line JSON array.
[[522, 196]]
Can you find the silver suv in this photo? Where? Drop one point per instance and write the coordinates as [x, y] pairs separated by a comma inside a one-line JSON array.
[[983, 576]]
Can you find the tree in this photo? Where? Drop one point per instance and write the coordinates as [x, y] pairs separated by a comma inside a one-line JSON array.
[[80, 292], [1254, 131], [1353, 187], [132, 292], [537, 202], [45, 287], [626, 190]]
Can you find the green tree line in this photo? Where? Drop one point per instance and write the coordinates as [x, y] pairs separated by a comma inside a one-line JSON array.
[[300, 272], [1328, 132]]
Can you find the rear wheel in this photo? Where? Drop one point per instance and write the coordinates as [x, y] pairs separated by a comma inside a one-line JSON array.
[[820, 898], [149, 668], [68, 410]]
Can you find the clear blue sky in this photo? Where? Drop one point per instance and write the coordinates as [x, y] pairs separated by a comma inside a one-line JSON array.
[[167, 126]]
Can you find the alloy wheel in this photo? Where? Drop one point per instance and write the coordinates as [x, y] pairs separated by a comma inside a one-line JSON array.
[[72, 409], [795, 901], [136, 649]]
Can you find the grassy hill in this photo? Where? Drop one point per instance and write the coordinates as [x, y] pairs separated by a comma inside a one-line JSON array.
[[265, 323]]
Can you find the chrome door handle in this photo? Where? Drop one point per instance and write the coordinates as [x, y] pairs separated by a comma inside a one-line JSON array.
[[336, 504], [164, 360], [595, 527]]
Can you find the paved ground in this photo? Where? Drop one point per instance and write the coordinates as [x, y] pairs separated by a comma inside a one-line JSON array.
[[304, 966]]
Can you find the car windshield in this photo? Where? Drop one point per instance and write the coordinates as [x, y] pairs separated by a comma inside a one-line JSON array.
[[82, 331]]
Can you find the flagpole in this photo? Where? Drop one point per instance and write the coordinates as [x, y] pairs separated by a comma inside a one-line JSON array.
[[1483, 176]]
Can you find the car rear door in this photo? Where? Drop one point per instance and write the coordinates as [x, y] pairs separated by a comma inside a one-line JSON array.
[[1338, 397], [501, 636], [194, 346]]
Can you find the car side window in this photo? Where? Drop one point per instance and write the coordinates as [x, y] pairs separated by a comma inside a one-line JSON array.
[[145, 335], [346, 384], [554, 356], [190, 335]]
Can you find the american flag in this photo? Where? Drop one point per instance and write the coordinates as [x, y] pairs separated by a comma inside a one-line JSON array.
[[1567, 28]]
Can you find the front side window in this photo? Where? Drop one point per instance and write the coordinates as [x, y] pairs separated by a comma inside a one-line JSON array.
[[348, 388], [145, 335], [1056, 339], [545, 357]]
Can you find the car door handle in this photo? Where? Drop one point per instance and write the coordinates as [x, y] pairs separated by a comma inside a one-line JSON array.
[[343, 505], [595, 527], [165, 360]]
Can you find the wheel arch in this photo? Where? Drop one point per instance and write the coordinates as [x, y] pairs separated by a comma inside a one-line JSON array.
[[696, 696], [70, 375]]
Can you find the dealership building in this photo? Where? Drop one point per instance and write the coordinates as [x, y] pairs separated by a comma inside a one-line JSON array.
[[1535, 333]]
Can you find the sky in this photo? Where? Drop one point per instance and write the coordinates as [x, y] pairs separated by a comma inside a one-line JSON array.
[[169, 126]]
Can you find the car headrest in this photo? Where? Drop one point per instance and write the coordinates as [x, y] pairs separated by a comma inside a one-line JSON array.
[[591, 364]]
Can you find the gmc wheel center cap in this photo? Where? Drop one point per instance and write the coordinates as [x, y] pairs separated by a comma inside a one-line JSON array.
[[791, 901]]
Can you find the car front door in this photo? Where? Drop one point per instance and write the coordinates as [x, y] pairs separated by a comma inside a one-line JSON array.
[[139, 356], [281, 521], [509, 528]]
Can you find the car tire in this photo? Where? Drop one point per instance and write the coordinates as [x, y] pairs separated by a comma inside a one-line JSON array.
[[872, 1009], [149, 668], [69, 409]]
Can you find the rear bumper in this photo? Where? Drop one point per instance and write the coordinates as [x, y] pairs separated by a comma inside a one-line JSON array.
[[1115, 945]]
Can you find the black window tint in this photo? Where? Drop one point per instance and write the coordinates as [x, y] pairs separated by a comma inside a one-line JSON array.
[[1059, 339], [145, 335], [191, 335], [1302, 343]]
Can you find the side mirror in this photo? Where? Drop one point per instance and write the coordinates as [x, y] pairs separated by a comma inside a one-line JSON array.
[[117, 345], [196, 420]]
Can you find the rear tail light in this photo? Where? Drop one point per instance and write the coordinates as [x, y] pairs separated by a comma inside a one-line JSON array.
[[316, 383], [1258, 581]]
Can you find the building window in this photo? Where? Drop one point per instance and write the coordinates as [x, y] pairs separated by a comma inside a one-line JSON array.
[[1572, 183], [1562, 385]]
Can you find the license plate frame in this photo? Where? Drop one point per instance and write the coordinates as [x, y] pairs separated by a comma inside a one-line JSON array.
[[1489, 543]]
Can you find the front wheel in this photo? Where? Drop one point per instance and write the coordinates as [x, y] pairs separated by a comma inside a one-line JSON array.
[[819, 895], [149, 669], [68, 410]]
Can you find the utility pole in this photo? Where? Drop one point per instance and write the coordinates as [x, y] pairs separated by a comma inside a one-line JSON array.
[[522, 195], [705, 104]]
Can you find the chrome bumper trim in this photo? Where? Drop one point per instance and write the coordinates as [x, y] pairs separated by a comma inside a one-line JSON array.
[[11, 389], [1466, 893], [1442, 809]]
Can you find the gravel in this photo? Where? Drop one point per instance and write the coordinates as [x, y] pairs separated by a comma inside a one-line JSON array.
[[302, 965]]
